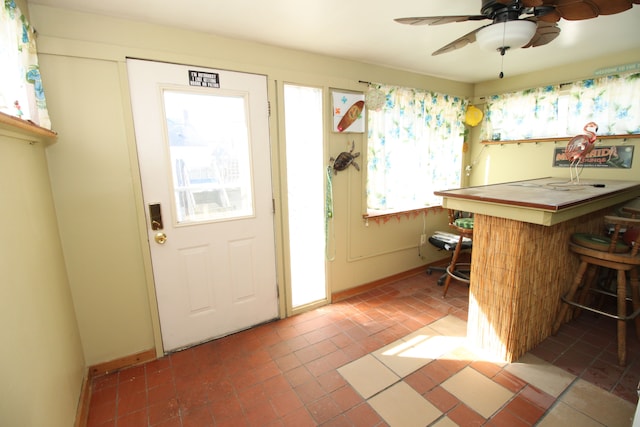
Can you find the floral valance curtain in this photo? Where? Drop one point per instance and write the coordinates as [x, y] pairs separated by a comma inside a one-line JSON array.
[[414, 148], [552, 111], [522, 115], [611, 101], [21, 92]]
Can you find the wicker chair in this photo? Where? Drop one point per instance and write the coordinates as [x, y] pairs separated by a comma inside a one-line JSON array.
[[618, 253], [444, 241], [462, 224]]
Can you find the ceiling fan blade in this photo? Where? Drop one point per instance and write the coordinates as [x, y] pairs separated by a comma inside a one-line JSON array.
[[525, 3], [574, 10], [611, 7], [459, 42], [545, 33], [551, 15], [438, 20]]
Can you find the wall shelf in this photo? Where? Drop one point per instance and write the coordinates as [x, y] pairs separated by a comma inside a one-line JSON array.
[[26, 130], [560, 139]]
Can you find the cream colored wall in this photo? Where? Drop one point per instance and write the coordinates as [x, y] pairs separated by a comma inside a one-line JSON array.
[[41, 357], [511, 162], [96, 185], [93, 187], [95, 179]]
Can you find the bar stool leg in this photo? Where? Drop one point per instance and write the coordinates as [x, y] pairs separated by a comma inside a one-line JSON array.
[[562, 314], [622, 313], [635, 297], [589, 282], [452, 266]]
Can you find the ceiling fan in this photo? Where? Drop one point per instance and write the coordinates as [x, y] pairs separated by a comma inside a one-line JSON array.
[[526, 23]]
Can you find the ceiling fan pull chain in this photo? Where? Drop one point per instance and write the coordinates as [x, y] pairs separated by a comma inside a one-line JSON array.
[[503, 50]]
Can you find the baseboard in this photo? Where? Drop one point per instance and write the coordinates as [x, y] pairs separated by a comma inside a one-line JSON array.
[[82, 413], [121, 363], [341, 295]]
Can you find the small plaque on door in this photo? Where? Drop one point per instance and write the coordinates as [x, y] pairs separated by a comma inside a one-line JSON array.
[[203, 79]]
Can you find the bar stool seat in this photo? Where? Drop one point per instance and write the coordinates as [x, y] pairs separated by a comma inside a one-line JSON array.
[[595, 252]]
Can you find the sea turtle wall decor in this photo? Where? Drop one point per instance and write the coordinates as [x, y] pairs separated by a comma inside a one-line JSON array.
[[345, 159]]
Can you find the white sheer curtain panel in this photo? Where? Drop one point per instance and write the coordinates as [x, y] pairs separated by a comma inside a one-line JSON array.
[[21, 91]]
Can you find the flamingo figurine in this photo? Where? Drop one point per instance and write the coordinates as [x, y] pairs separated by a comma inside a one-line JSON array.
[[579, 146]]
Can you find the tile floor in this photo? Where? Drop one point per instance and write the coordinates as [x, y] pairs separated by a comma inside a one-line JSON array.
[[393, 356]]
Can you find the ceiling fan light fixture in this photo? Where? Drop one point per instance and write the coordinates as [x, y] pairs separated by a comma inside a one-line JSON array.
[[508, 35]]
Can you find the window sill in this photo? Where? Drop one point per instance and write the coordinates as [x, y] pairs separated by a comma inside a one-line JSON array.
[[559, 139], [23, 129], [384, 217]]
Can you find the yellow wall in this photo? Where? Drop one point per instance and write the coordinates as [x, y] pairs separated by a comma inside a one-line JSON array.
[[512, 162], [96, 184], [41, 357]]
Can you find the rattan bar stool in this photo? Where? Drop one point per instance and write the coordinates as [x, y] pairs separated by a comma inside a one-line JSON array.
[[446, 242], [618, 253], [462, 224]]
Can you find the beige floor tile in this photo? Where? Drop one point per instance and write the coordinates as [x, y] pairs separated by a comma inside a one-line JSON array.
[[420, 334], [564, 415], [401, 357], [368, 375], [436, 346], [416, 350], [598, 404], [450, 326], [401, 406], [537, 372], [477, 391], [444, 422]]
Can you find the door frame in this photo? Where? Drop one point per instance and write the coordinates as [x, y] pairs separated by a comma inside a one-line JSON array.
[[141, 207]]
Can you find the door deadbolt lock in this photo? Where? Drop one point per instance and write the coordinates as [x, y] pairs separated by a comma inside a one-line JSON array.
[[160, 238], [156, 216]]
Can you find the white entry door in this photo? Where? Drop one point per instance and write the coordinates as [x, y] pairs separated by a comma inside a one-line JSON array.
[[203, 147]]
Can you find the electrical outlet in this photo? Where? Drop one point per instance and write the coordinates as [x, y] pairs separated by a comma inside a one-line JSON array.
[[423, 239]]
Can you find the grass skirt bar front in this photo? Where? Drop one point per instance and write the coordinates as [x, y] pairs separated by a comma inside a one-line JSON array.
[[518, 272]]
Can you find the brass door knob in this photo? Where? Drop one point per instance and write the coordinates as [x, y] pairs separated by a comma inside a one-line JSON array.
[[160, 238]]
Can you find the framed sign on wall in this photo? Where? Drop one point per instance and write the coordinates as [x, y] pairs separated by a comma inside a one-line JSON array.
[[348, 111]]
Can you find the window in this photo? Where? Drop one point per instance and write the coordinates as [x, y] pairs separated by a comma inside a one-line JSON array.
[[305, 194], [610, 101], [414, 148], [210, 162], [21, 92], [563, 110]]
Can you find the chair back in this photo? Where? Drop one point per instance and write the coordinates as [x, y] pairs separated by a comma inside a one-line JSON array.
[[461, 221], [631, 226]]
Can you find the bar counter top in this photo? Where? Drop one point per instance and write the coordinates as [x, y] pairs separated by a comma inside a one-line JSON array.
[[544, 201]]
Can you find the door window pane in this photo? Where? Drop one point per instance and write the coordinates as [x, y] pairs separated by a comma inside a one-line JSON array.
[[209, 153], [305, 193]]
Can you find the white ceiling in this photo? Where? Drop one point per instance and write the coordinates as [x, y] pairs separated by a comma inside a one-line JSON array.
[[364, 30]]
